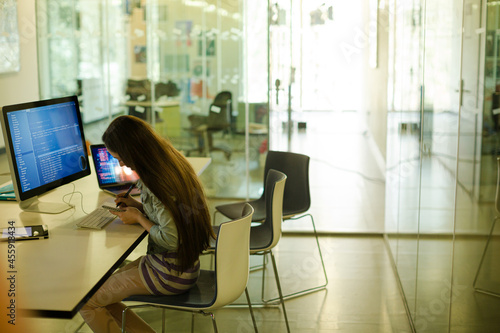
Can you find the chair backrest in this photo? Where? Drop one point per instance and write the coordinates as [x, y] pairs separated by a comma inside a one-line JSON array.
[[232, 251], [297, 197], [219, 115], [497, 195], [222, 98], [269, 231]]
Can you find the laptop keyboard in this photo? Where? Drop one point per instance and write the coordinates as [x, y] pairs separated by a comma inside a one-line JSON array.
[[98, 219]]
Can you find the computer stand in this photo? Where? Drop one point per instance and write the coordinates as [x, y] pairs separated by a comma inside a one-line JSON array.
[[36, 206]]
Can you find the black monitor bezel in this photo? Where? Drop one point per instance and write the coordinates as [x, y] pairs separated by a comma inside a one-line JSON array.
[[21, 196]]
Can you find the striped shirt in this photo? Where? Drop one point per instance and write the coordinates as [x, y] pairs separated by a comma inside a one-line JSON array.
[[159, 268]]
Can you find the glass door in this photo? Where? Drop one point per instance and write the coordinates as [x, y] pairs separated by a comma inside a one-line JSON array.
[[404, 140], [440, 127], [478, 150], [281, 72]]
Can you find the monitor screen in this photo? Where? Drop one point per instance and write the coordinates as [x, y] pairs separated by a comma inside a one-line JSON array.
[[45, 145]]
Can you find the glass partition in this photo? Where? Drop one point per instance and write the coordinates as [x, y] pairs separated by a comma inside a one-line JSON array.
[[440, 126], [181, 65], [477, 173], [441, 161], [403, 143]]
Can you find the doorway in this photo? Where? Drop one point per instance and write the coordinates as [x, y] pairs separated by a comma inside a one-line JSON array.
[[316, 63]]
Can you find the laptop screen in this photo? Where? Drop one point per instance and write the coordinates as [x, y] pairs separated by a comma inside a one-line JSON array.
[[108, 169]]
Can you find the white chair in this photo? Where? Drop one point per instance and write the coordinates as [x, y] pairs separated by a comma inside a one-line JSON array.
[[497, 216], [265, 236], [217, 288]]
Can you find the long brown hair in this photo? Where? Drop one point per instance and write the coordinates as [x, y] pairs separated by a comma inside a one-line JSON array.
[[170, 177]]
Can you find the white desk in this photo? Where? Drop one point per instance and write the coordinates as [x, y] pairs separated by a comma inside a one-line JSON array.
[[56, 276], [169, 112]]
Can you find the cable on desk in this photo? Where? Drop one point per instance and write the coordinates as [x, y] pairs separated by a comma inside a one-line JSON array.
[[71, 194]]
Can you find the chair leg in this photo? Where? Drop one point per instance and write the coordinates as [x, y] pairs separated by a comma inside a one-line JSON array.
[[263, 277], [213, 321], [320, 254], [251, 310], [278, 285], [192, 322], [259, 267], [124, 319], [482, 260], [313, 289], [206, 148]]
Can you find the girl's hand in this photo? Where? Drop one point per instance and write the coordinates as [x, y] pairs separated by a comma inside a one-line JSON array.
[[131, 215], [127, 201]]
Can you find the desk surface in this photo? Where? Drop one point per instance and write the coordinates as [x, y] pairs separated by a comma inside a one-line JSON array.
[[56, 276]]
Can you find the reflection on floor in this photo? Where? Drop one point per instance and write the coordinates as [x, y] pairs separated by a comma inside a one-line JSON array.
[[436, 226], [347, 184]]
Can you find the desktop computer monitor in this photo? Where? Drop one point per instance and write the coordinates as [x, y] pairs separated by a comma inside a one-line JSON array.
[[46, 148]]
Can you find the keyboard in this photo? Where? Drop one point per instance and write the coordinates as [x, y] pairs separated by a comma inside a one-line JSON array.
[[98, 219]]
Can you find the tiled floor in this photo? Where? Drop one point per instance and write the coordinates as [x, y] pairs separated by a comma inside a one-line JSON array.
[[362, 294]]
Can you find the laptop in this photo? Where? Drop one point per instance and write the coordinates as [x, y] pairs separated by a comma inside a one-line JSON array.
[[112, 178]]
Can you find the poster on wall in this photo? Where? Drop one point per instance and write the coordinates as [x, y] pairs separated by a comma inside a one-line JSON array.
[[140, 52], [183, 29], [9, 37]]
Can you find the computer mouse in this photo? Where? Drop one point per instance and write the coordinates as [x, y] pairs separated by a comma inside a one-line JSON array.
[[35, 233]]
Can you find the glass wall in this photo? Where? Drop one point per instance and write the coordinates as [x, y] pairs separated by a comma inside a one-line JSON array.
[[184, 66], [441, 161]]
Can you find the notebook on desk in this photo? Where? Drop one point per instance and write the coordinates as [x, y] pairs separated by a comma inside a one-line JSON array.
[[111, 177], [7, 192]]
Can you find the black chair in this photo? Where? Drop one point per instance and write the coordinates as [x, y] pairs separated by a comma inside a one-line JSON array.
[[218, 120], [217, 288], [296, 201]]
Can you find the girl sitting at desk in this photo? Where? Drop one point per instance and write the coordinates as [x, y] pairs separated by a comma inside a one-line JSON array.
[[174, 212]]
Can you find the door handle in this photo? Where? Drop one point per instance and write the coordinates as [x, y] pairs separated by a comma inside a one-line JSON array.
[[461, 91]]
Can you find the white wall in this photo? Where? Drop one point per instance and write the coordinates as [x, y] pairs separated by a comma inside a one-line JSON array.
[[22, 86], [375, 82]]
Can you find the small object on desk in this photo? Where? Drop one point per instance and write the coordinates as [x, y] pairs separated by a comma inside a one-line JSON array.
[[25, 233], [98, 219], [7, 192], [7, 188], [114, 209], [11, 196]]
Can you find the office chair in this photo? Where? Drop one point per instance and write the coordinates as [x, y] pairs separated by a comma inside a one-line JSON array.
[[137, 89], [217, 288], [218, 120], [296, 201], [497, 216]]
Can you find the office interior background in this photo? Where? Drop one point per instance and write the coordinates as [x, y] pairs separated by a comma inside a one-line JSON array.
[[395, 101]]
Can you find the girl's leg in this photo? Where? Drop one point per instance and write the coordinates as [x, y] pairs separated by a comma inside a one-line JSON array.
[[103, 311]]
